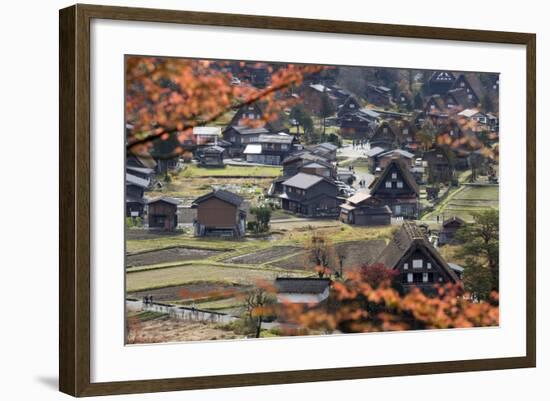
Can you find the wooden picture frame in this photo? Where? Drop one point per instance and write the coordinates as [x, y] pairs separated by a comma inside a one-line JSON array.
[[75, 206]]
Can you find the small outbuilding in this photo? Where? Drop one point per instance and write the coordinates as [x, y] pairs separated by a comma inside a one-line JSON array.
[[449, 229], [211, 156], [220, 213], [362, 209], [162, 213], [300, 290]]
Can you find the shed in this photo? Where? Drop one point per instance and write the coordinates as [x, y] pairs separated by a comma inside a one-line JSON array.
[[162, 213], [302, 290], [220, 213]]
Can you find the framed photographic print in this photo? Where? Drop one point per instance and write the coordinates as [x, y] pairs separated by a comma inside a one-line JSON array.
[[239, 192]]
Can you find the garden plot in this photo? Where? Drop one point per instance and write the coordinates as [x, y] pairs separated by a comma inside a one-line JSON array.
[[168, 255], [206, 292], [264, 255], [193, 273], [355, 253], [472, 199]]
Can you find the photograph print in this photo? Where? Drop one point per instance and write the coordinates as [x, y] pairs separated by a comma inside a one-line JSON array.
[[272, 199]]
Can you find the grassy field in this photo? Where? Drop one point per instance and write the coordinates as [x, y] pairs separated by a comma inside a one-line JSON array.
[[466, 200], [193, 170], [471, 199], [194, 181], [141, 245], [187, 274]]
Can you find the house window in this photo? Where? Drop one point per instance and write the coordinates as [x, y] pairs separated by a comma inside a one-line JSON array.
[[424, 277], [393, 176], [385, 130], [409, 277], [399, 184], [470, 96], [432, 106], [406, 131], [388, 184], [284, 146], [429, 265], [352, 106], [397, 210], [405, 266], [417, 263], [462, 84]]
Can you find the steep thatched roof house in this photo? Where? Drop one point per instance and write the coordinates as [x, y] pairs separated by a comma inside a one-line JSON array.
[[417, 261]]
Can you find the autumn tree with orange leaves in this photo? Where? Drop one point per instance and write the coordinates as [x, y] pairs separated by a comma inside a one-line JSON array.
[[355, 306], [167, 97]]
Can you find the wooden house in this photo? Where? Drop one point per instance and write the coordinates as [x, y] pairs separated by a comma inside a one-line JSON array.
[[397, 188], [387, 135], [310, 163], [206, 135], [385, 158], [302, 290], [250, 115], [440, 82], [449, 229], [378, 95], [135, 187], [270, 149], [162, 213], [312, 97], [141, 172], [372, 157], [310, 195], [350, 106], [359, 124], [436, 109], [458, 99], [418, 263], [472, 87], [362, 209], [241, 136], [210, 156], [220, 213], [440, 166], [326, 150]]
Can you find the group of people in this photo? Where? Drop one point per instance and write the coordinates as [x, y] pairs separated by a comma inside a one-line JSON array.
[[148, 300], [359, 143]]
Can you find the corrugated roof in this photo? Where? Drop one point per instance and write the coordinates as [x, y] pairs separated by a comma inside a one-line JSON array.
[[358, 198], [142, 170], [276, 138], [137, 181], [207, 131], [299, 285], [243, 130], [172, 201], [221, 194], [375, 151], [399, 152], [253, 149], [303, 181]]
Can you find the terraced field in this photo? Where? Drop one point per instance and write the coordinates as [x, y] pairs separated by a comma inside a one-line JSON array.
[[472, 199], [187, 274]]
